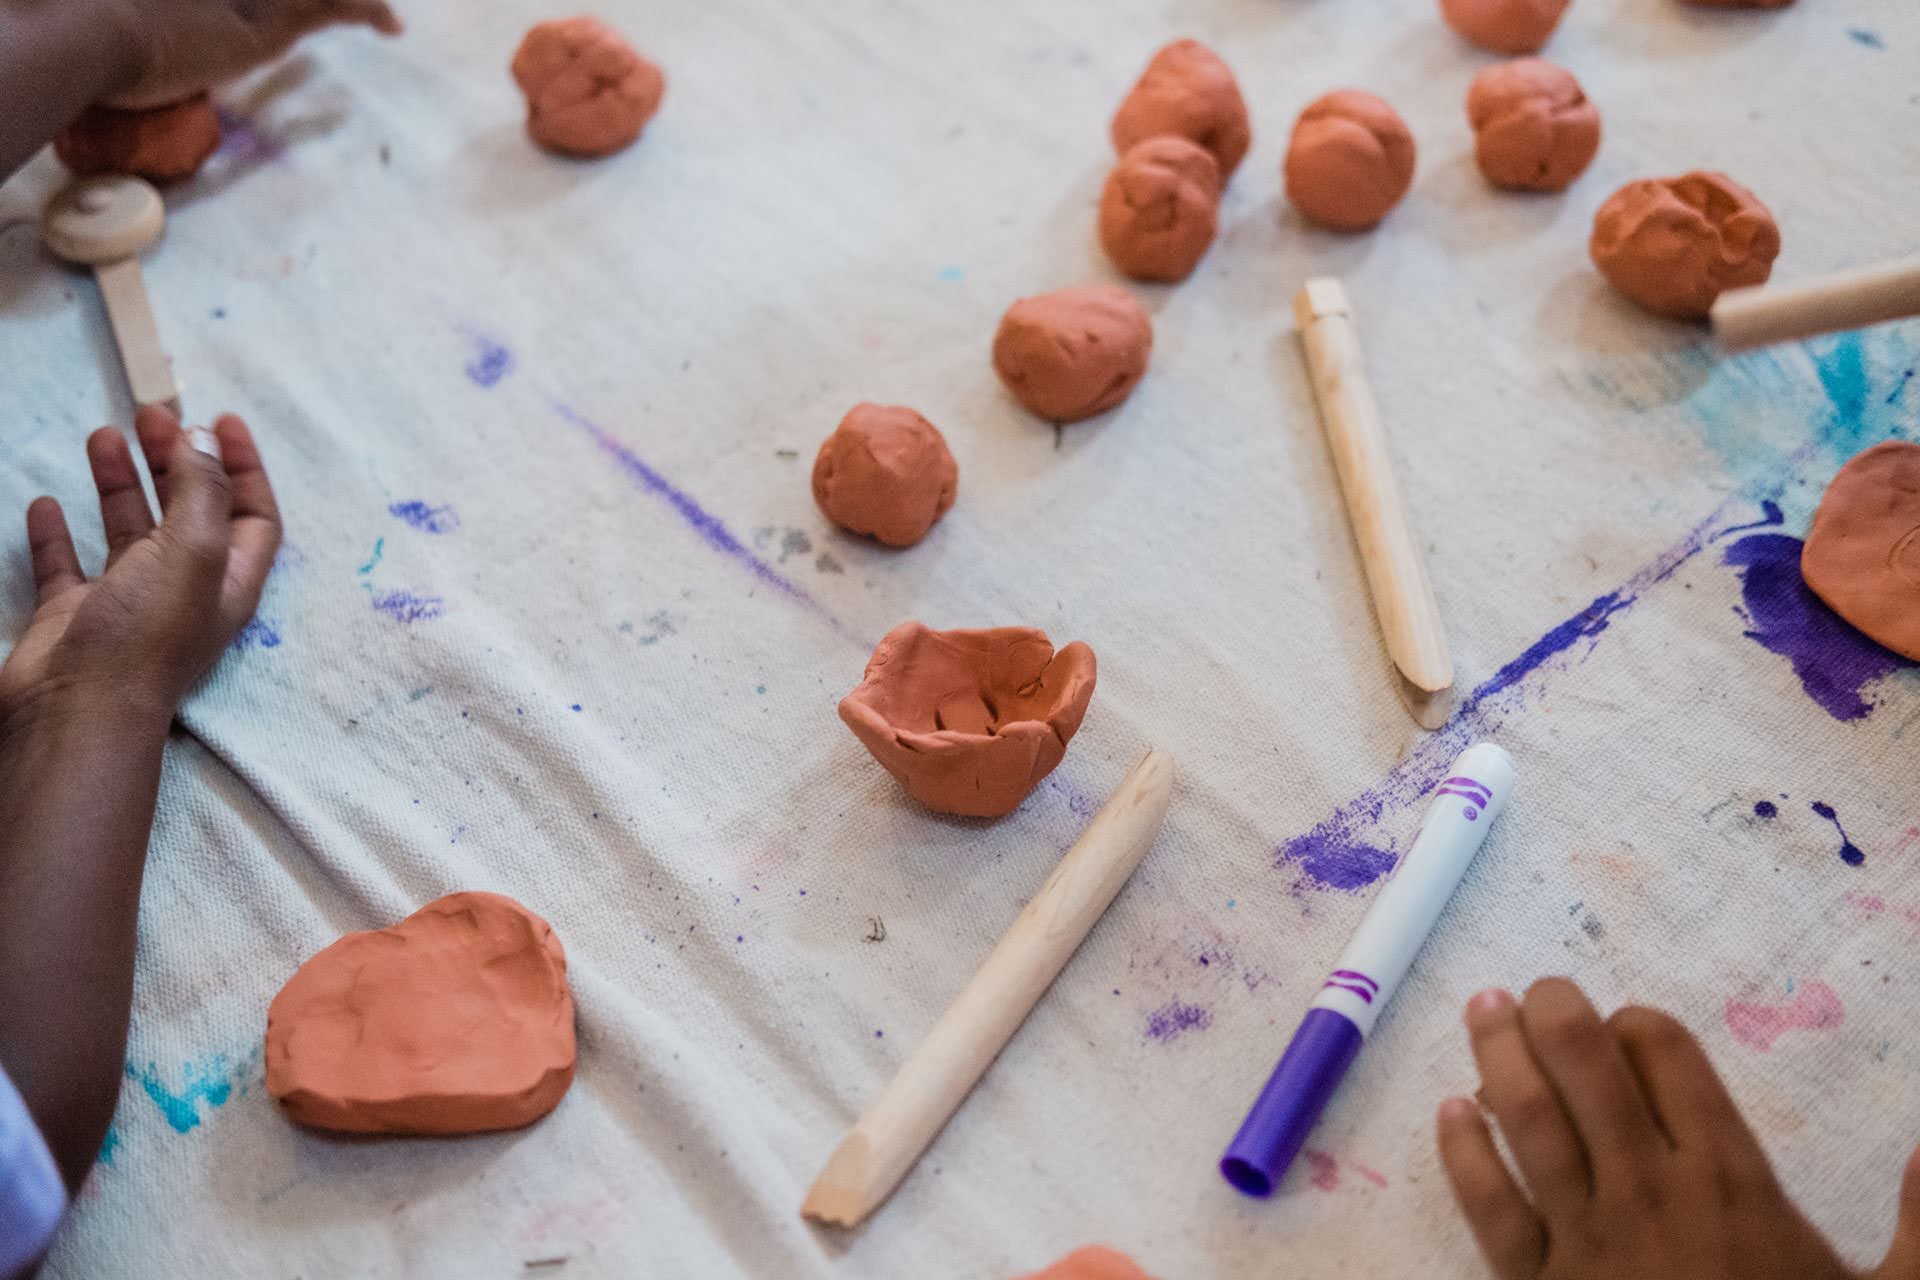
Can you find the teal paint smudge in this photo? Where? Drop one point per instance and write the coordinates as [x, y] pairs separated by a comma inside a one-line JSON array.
[[209, 1080], [373, 561], [1842, 369], [108, 1145]]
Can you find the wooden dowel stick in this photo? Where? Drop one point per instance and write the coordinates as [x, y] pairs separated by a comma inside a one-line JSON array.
[[149, 372], [1396, 571], [1853, 299], [937, 1076]]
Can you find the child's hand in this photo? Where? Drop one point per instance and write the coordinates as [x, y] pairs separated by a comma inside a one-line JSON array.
[[173, 596], [1636, 1162], [179, 47]]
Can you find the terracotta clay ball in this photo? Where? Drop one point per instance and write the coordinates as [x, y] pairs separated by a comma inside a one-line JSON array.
[[885, 472], [1533, 127], [1070, 354], [970, 721], [456, 1020], [1092, 1262], [1160, 208], [1350, 160], [1740, 4], [1505, 26], [160, 144], [588, 92], [1187, 91], [1674, 244], [1863, 552]]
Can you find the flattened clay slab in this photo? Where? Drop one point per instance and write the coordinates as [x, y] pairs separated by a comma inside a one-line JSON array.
[[456, 1020], [1863, 553], [970, 721]]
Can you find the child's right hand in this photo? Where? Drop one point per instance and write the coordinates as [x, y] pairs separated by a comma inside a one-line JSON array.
[[1636, 1162], [179, 47], [174, 594]]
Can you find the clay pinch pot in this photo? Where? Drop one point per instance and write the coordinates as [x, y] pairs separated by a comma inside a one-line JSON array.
[[1862, 555], [970, 721], [456, 1020]]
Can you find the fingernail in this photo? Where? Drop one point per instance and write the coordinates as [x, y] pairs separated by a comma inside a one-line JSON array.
[[1492, 1000], [204, 441], [1454, 1110]]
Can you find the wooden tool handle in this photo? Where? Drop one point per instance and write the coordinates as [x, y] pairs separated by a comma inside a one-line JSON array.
[[931, 1084], [1854, 299], [1396, 571], [149, 373]]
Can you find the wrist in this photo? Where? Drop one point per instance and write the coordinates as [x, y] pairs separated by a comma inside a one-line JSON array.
[[75, 711]]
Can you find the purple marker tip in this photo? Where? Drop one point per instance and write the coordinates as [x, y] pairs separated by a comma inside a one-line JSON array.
[[1277, 1127]]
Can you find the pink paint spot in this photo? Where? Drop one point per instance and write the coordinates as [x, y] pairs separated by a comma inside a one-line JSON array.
[[1374, 1176], [1323, 1169], [1864, 901], [1815, 1007], [1908, 841]]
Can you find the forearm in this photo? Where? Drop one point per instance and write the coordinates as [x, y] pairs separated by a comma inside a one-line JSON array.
[[79, 773], [57, 57]]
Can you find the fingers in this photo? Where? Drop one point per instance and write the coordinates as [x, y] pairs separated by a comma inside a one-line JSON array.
[[1903, 1257], [1596, 1086], [199, 498], [123, 503], [1509, 1233], [1537, 1127], [255, 535], [1688, 1099], [156, 430], [56, 568]]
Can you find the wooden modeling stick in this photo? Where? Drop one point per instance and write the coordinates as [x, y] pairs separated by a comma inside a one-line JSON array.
[[105, 223], [937, 1076], [1853, 299], [1396, 571]]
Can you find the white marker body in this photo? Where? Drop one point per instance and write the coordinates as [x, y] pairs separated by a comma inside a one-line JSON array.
[[1396, 926]]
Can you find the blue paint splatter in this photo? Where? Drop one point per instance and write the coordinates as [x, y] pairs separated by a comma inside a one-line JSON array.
[[1770, 518], [426, 518], [490, 363], [952, 275], [1174, 1019], [1871, 39], [1850, 852], [109, 1145], [1834, 662], [373, 561], [1765, 809], [1842, 368], [259, 632], [407, 606], [208, 1082], [576, 706], [1584, 625]]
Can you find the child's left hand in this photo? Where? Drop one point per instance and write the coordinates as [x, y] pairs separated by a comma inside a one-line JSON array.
[[174, 594]]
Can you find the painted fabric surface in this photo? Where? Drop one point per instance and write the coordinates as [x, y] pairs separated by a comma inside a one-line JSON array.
[[557, 618]]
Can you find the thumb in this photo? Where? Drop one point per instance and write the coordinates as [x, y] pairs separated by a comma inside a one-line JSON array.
[[1903, 1256], [199, 495]]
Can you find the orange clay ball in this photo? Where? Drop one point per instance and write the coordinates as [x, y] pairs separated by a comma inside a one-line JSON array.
[[160, 144], [1350, 160], [1674, 244], [588, 92], [1504, 26], [1533, 127], [1160, 208]]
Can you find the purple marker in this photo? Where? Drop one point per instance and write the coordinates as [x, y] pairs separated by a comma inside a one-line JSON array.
[[1382, 950]]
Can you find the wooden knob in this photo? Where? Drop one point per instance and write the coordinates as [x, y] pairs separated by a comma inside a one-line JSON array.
[[103, 219]]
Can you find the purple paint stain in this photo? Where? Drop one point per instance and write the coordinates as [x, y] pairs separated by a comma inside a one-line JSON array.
[[1834, 662], [491, 362], [1173, 1020], [244, 143], [424, 517], [1333, 858], [407, 606], [260, 633], [1850, 853], [1585, 625], [1765, 809]]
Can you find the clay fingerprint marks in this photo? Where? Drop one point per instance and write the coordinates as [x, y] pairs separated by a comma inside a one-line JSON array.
[[456, 1020], [161, 144], [1073, 353], [1673, 245], [1862, 554], [1160, 208], [1504, 26], [588, 92], [1092, 1262], [1349, 162], [885, 472], [1534, 129], [969, 722]]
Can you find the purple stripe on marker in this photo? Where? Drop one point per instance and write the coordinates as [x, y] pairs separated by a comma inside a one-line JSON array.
[[1464, 795], [1362, 992], [1467, 782], [1356, 976]]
